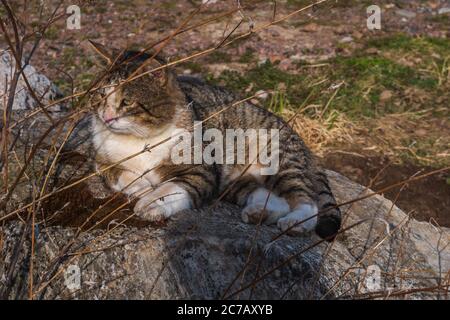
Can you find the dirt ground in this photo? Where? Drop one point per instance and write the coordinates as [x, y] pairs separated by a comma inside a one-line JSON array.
[[427, 199], [384, 94]]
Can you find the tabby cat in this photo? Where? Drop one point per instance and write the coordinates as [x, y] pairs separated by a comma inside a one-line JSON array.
[[132, 115]]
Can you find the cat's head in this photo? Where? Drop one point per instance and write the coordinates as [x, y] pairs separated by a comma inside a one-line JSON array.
[[143, 106]]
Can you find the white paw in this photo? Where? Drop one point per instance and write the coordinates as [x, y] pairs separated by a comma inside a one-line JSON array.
[[295, 220], [254, 213], [264, 208], [163, 202], [151, 212], [131, 184]]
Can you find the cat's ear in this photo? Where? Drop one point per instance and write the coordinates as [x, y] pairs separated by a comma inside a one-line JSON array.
[[101, 51], [156, 71]]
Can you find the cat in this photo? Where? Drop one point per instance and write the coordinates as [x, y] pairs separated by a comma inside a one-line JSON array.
[[160, 106]]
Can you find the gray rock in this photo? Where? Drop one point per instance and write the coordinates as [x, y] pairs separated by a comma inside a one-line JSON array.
[[41, 85], [444, 10], [346, 39], [406, 13]]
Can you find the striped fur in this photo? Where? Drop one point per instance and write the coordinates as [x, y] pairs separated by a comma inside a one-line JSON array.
[[152, 108]]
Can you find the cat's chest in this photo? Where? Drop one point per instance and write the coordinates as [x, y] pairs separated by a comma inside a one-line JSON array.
[[116, 148]]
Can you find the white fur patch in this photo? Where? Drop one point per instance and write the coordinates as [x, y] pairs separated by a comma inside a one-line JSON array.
[[116, 147], [111, 96], [260, 202], [163, 202], [301, 213], [132, 184]]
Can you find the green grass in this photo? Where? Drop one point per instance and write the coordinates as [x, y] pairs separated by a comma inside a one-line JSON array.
[[424, 148], [193, 66], [169, 5], [278, 102], [266, 76], [401, 42], [365, 77], [383, 72], [443, 19], [74, 63], [248, 56], [219, 56], [52, 33]]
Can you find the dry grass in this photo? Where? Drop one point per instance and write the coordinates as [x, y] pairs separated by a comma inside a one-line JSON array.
[[321, 134], [397, 136]]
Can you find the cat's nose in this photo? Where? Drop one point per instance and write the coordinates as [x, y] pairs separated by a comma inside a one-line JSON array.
[[109, 114]]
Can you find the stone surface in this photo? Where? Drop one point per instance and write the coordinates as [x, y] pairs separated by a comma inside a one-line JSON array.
[[346, 40], [444, 10], [44, 89], [406, 13]]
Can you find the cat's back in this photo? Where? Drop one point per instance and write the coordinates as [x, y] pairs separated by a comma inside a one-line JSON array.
[[205, 99], [221, 106]]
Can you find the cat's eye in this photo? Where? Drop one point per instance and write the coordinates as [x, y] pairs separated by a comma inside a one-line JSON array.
[[125, 103]]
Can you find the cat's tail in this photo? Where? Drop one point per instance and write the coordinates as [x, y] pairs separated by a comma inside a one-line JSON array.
[[328, 226], [329, 217]]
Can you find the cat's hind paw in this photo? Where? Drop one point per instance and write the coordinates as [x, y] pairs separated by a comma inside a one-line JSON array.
[[264, 207], [254, 213], [300, 221]]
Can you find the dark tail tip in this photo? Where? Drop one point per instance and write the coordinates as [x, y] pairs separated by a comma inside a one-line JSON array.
[[328, 227]]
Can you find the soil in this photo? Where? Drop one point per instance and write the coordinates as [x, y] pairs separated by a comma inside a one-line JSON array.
[[426, 199]]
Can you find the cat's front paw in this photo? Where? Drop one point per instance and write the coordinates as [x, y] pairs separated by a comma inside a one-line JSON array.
[[163, 202], [151, 210], [302, 220]]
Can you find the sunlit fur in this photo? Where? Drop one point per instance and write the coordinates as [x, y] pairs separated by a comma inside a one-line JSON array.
[[142, 107], [132, 115]]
